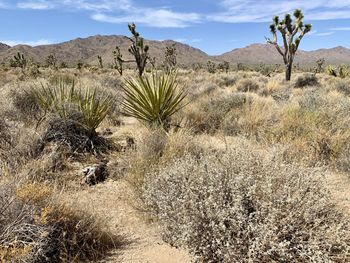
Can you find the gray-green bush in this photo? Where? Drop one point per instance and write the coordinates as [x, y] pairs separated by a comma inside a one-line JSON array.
[[242, 207]]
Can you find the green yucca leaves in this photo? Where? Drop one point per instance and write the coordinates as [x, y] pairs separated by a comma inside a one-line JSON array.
[[65, 100], [153, 98]]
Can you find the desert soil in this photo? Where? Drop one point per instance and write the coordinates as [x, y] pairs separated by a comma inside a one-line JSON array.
[[142, 243]]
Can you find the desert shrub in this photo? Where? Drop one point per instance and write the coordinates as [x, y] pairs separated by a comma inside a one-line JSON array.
[[36, 227], [242, 207], [227, 80], [17, 145], [153, 99], [342, 86], [70, 133], [210, 113], [247, 85], [305, 80], [253, 120], [26, 107]]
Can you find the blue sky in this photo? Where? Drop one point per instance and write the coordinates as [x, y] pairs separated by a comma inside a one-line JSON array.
[[215, 26]]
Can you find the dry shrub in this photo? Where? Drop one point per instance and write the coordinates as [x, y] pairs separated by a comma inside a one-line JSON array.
[[247, 85], [227, 80], [306, 80], [26, 108], [156, 147], [210, 113], [255, 119], [241, 207], [71, 134], [36, 227], [342, 86], [17, 145]]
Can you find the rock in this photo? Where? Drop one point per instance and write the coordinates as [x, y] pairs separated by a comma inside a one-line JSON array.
[[95, 174]]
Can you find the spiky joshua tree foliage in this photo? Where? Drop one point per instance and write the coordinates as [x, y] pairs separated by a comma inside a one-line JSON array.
[[118, 60], [292, 34], [138, 49]]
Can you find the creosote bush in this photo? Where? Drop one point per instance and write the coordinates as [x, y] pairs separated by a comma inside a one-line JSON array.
[[241, 207]]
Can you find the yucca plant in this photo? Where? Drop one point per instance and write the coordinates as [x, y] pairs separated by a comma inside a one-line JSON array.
[[66, 100], [153, 98]]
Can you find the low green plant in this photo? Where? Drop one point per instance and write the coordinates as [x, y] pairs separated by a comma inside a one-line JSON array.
[[153, 98], [65, 100]]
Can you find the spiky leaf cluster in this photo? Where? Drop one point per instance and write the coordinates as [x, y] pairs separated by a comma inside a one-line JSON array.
[[153, 99]]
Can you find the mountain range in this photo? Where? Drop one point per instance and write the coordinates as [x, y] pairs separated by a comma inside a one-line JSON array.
[[87, 50]]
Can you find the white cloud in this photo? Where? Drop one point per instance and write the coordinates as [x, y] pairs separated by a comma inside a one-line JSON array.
[[323, 34], [119, 11], [233, 11], [237, 11], [151, 17], [36, 5], [341, 29], [29, 43]]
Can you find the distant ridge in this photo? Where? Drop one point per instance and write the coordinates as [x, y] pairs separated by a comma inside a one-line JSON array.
[[87, 50]]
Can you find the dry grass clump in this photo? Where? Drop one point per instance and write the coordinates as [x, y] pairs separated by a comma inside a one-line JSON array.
[[242, 207], [208, 115], [247, 85], [36, 227], [227, 80], [342, 86], [253, 120], [155, 147], [306, 80]]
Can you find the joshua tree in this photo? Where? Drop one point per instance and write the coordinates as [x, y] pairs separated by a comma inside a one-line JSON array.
[[100, 61], [211, 67], [224, 66], [118, 60], [289, 33], [138, 49], [319, 65], [19, 61], [51, 61], [170, 58], [79, 64], [153, 62]]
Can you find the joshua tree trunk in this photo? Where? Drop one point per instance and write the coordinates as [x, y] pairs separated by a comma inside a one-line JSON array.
[[289, 67]]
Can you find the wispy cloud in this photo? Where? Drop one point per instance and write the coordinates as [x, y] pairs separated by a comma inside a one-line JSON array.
[[29, 43], [237, 11], [323, 34], [185, 40], [151, 17], [119, 11], [233, 11], [36, 5], [340, 29]]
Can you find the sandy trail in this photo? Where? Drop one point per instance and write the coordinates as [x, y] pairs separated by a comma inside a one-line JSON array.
[[112, 200]]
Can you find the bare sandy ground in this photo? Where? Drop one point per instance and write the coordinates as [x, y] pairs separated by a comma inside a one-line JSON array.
[[113, 200]]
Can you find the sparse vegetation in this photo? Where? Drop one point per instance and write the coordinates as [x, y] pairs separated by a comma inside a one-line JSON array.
[[230, 163]]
